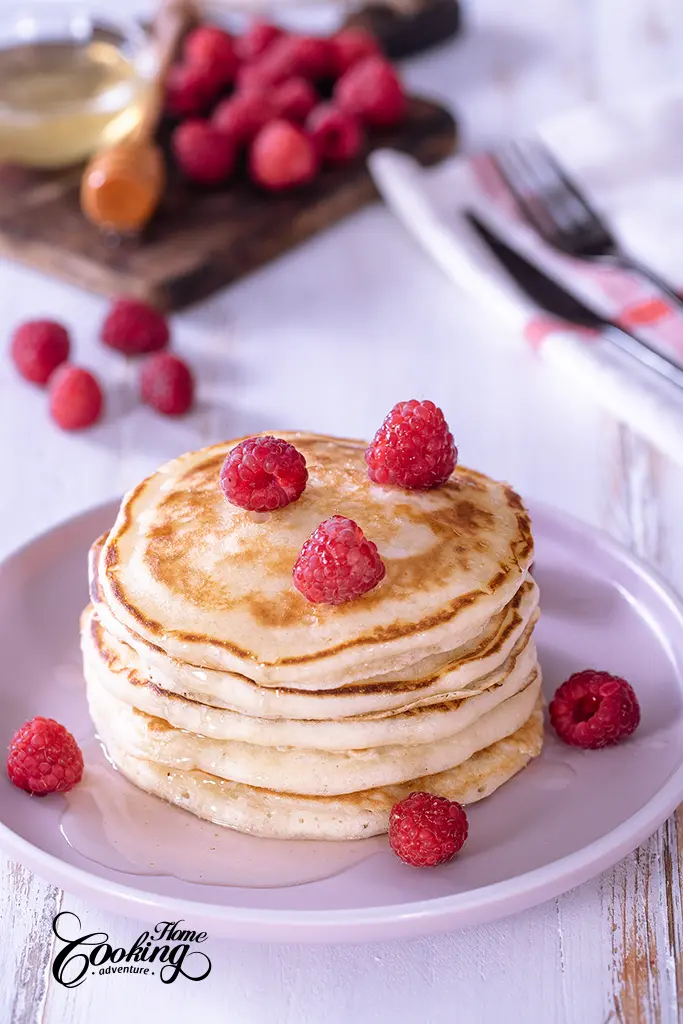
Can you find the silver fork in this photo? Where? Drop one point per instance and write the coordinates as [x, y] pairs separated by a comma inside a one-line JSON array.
[[561, 214]]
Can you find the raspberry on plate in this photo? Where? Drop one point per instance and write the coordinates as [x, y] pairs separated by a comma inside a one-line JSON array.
[[413, 448], [43, 757], [352, 45], [204, 154], [75, 398], [294, 99], [337, 136], [282, 156], [372, 91], [190, 89], [134, 327], [263, 473], [209, 46], [243, 115], [427, 830], [166, 384], [38, 347], [256, 40], [337, 563], [594, 709]]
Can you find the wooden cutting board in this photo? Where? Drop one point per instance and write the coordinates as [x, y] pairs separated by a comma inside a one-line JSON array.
[[199, 241]]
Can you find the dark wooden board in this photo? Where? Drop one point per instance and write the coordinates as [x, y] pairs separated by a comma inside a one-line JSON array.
[[199, 240]]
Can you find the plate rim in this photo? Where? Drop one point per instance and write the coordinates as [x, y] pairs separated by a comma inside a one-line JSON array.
[[473, 906]]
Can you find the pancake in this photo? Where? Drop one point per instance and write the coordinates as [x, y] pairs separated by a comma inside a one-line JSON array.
[[299, 770], [453, 672], [272, 815], [119, 670], [210, 584]]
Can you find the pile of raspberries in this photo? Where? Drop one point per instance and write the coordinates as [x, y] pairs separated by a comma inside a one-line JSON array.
[[258, 99]]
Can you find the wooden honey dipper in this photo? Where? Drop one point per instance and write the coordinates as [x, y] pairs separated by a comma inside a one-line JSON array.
[[121, 186]]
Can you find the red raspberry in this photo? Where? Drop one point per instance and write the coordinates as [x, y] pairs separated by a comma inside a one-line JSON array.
[[281, 157], [134, 327], [337, 563], [75, 398], [290, 57], [256, 40], [594, 709], [190, 89], [426, 830], [263, 473], [295, 99], [44, 757], [413, 448], [203, 153], [210, 47], [167, 384], [243, 115], [372, 91], [337, 137], [352, 45], [38, 347]]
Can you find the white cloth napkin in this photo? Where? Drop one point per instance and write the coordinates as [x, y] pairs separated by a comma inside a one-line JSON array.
[[629, 160]]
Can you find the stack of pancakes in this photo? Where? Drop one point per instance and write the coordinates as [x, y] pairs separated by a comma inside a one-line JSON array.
[[216, 685]]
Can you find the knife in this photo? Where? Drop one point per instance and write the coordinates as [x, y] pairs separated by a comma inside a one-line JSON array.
[[553, 298]]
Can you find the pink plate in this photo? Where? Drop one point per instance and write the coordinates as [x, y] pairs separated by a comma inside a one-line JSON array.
[[567, 817]]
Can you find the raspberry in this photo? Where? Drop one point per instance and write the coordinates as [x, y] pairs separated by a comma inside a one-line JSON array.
[[263, 473], [337, 137], [256, 40], [243, 115], [210, 47], [426, 830], [281, 156], [44, 757], [352, 45], [167, 384], [295, 99], [134, 327], [413, 448], [38, 347], [594, 709], [371, 91], [75, 398], [290, 57], [203, 153], [337, 563], [190, 89]]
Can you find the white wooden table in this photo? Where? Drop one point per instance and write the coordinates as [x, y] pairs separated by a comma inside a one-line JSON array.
[[329, 338]]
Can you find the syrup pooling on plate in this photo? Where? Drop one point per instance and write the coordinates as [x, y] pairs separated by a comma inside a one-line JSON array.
[[111, 822]]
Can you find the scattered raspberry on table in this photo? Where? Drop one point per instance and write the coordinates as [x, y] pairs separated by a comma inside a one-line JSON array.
[[38, 347], [594, 709], [337, 563], [134, 327], [427, 830], [166, 384], [256, 40], [294, 99], [44, 757], [413, 448], [262, 474], [75, 396], [190, 90]]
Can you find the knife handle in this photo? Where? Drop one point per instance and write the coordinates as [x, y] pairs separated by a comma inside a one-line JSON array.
[[644, 354]]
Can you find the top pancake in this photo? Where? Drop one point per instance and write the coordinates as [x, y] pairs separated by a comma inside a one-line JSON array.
[[211, 584]]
